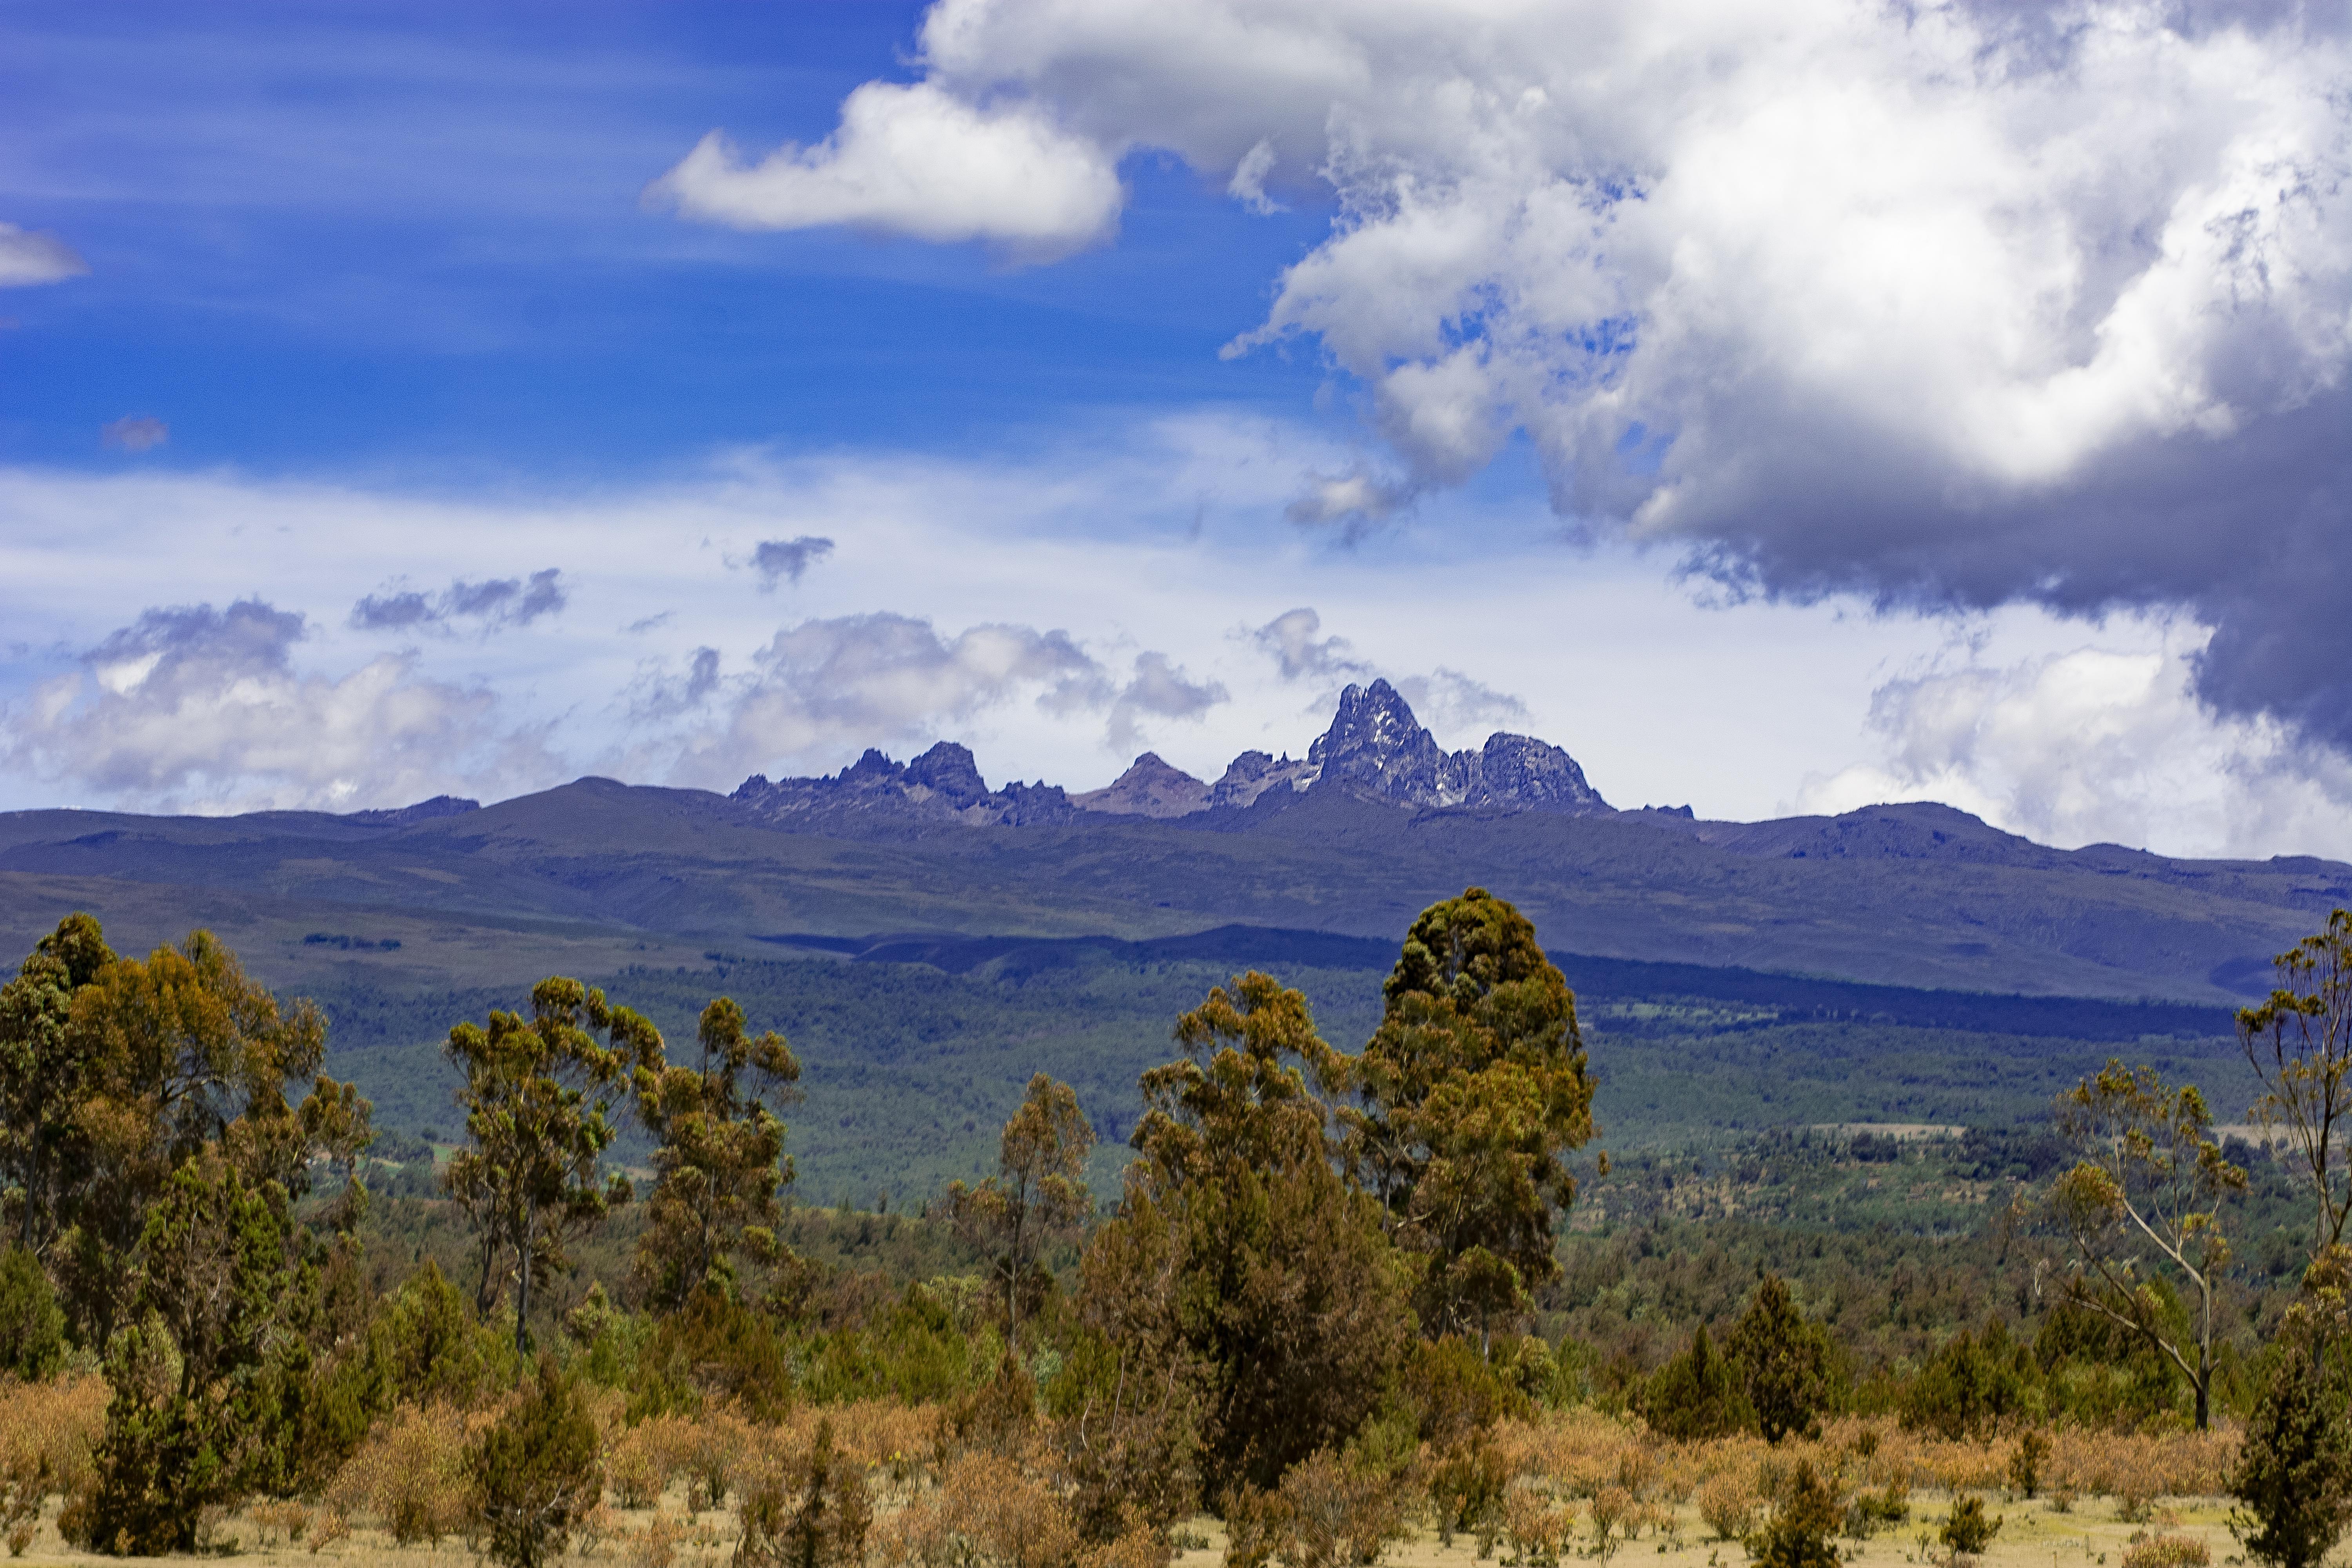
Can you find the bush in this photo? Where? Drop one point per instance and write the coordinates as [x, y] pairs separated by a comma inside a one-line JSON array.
[[1802, 1524], [1465, 1486], [1727, 1503], [23, 1487], [32, 1324], [2293, 1478], [813, 1512], [2168, 1552], [1784, 1361], [1333, 1517], [1972, 1384], [1696, 1395], [2026, 1464], [410, 1475], [1455, 1390], [535, 1473], [1966, 1528]]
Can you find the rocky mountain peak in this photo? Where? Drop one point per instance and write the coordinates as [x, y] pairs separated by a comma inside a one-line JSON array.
[[1149, 787]]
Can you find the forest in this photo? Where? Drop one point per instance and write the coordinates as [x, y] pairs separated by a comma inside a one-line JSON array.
[[1342, 1307]]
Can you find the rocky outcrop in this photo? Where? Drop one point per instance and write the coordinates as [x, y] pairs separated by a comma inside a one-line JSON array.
[[1253, 774], [440, 806], [1149, 787], [943, 784], [1376, 747]]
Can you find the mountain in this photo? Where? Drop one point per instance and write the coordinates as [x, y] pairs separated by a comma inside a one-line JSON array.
[[1374, 824], [1374, 750], [1149, 787]]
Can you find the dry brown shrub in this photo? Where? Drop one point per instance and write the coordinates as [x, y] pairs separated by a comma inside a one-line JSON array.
[[277, 1522], [331, 1528], [714, 1449], [59, 1421], [2167, 1464], [1615, 1517], [655, 1546], [641, 1460], [1332, 1516], [2168, 1552], [1539, 1526], [409, 1475], [989, 1513], [1730, 1503], [1579, 1450], [23, 1488]]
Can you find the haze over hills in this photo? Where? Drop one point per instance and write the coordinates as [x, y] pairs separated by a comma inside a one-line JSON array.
[[929, 941], [1373, 824]]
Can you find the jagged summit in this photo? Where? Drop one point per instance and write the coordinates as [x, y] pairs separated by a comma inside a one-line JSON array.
[[1375, 748], [942, 784]]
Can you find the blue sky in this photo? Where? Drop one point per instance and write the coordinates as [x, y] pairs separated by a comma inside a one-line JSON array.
[[1782, 410], [409, 239]]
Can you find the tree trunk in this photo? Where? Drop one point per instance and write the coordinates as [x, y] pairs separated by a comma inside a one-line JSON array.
[[523, 1290]]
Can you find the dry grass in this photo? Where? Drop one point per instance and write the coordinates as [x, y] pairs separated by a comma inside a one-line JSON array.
[[1576, 1484]]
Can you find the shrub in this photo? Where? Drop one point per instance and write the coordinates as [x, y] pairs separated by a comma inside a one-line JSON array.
[[2026, 1464], [535, 1472], [1538, 1525], [32, 1324], [427, 1348], [1332, 1517], [410, 1475], [1870, 1512], [1966, 1528], [1698, 1394], [23, 1487], [1805, 1518], [1728, 1503], [1971, 1384], [811, 1512], [1455, 1390], [2293, 1478], [1465, 1486], [2168, 1552]]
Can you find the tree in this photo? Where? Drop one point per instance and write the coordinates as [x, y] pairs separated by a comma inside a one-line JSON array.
[[1784, 1360], [2143, 1195], [537, 1098], [1804, 1524], [536, 1473], [1240, 1264], [2293, 1476], [1471, 1091], [1038, 1193], [190, 1423], [2299, 1044], [718, 1161], [42, 1074], [32, 1326], [180, 1055], [1698, 1394]]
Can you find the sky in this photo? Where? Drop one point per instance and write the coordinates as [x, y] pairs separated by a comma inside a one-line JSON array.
[[1782, 408]]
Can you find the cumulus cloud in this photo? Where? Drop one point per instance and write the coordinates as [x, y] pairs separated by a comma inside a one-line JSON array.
[[788, 558], [194, 707], [1448, 700], [1946, 305], [825, 687], [917, 161], [27, 257], [135, 433], [1290, 639], [657, 694], [1159, 690], [2097, 745], [492, 605]]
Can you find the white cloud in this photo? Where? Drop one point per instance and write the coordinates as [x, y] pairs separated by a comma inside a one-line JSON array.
[[492, 605], [919, 162], [2097, 744], [135, 433], [1158, 689], [1291, 641], [1952, 304], [27, 257], [198, 708], [827, 686]]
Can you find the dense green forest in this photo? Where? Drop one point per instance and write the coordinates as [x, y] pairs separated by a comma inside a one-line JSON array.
[[1136, 1236]]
